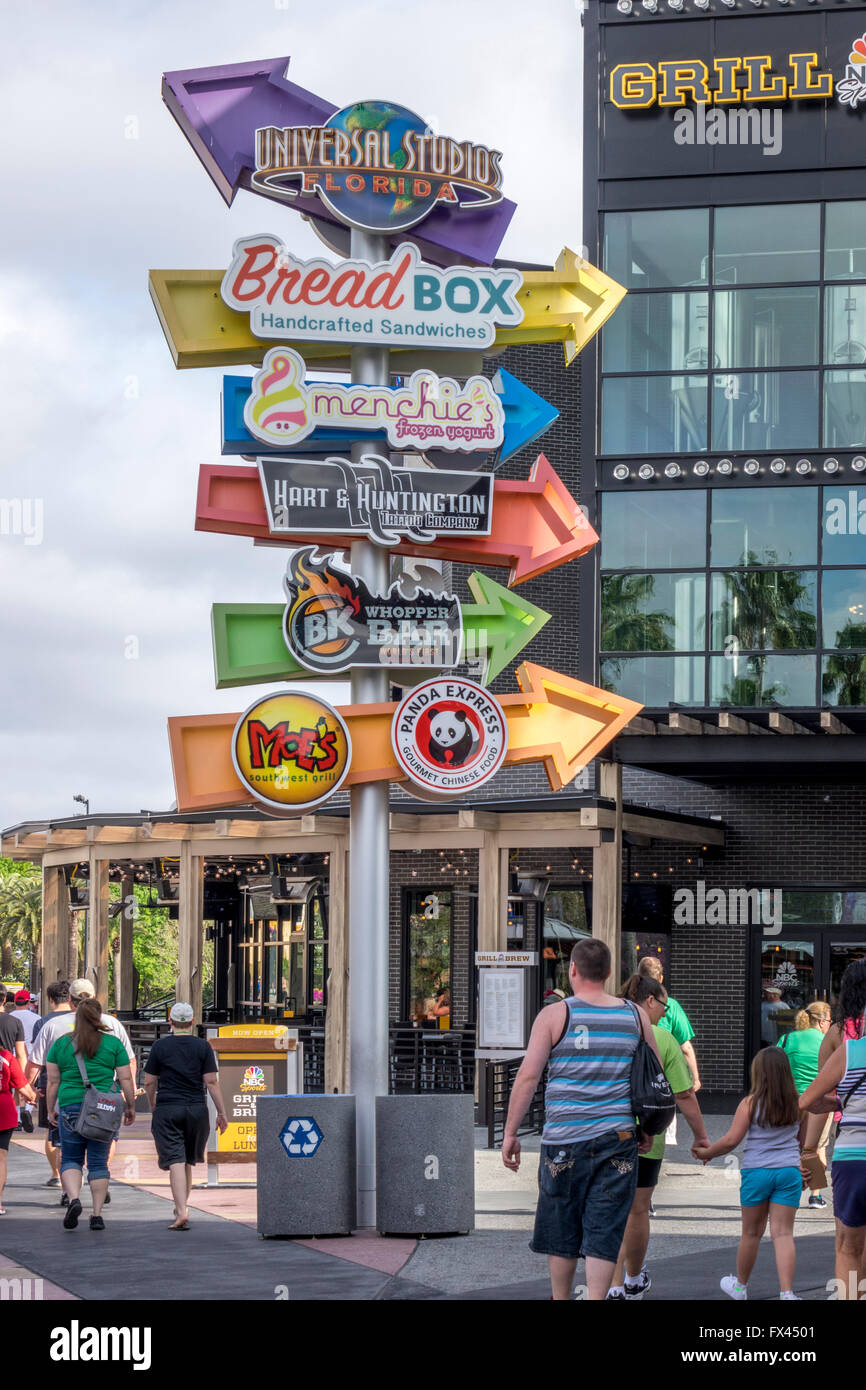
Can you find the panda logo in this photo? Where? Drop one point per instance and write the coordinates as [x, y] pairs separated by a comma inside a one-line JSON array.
[[452, 737]]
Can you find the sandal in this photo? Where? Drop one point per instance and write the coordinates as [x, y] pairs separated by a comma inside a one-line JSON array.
[[179, 1226]]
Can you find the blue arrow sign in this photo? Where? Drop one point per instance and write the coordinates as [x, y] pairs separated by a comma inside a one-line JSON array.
[[527, 417], [301, 1137]]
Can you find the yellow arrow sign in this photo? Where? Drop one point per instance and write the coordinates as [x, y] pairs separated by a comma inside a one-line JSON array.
[[568, 304], [560, 722]]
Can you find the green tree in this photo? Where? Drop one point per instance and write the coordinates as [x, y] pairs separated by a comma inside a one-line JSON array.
[[626, 623], [844, 679], [764, 610], [20, 920]]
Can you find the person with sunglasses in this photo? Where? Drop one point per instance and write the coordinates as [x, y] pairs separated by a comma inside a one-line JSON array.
[[631, 1280]]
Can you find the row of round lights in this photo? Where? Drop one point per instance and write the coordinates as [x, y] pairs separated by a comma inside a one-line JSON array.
[[653, 6], [725, 468]]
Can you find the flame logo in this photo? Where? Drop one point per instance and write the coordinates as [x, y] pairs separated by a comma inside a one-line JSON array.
[[857, 56], [314, 589]]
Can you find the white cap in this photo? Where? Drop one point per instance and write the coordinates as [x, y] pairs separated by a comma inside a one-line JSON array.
[[182, 1014], [81, 989]]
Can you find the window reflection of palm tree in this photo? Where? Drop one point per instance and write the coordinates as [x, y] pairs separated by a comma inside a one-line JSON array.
[[765, 610], [844, 679], [626, 626]]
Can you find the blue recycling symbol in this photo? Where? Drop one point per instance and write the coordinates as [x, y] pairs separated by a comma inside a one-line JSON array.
[[301, 1137]]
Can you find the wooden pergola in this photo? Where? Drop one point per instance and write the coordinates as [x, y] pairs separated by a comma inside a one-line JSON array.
[[597, 824]]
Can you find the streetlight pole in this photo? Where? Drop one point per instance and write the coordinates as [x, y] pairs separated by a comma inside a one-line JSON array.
[[369, 851]]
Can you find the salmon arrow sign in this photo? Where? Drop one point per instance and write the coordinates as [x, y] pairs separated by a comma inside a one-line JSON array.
[[249, 647], [527, 417], [560, 722], [219, 110], [537, 525], [568, 305]]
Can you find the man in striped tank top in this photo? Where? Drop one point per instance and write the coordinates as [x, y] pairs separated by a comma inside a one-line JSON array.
[[589, 1145], [844, 1076]]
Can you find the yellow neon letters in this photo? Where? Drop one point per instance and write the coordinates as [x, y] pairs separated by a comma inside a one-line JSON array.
[[636, 86]]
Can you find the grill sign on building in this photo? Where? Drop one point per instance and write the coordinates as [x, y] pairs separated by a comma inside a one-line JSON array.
[[449, 736], [332, 621], [373, 498], [388, 303], [429, 412], [377, 166], [291, 750]]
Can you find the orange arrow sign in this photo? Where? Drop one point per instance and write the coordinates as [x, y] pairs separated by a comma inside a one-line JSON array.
[[537, 525], [561, 722]]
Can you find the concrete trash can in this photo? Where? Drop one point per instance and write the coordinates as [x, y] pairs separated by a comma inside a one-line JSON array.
[[425, 1165], [305, 1156]]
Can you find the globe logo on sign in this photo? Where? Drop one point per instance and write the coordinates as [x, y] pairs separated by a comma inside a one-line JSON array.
[[301, 1138]]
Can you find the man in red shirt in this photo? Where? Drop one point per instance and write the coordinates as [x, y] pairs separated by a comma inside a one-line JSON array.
[[11, 1079]]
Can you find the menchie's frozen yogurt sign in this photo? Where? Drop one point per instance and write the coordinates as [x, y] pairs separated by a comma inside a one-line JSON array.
[[383, 303]]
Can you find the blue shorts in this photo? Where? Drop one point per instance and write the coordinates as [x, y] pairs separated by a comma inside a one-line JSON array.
[[75, 1150], [585, 1195], [781, 1185], [849, 1191]]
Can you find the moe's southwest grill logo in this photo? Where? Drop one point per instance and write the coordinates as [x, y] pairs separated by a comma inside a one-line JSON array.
[[377, 166], [429, 412], [851, 89], [291, 750]]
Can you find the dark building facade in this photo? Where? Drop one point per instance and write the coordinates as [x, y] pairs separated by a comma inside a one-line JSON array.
[[723, 461]]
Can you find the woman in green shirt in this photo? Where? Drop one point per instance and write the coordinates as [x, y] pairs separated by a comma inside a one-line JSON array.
[[801, 1047], [104, 1058]]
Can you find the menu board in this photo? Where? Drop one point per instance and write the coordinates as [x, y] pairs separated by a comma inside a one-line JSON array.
[[502, 1007]]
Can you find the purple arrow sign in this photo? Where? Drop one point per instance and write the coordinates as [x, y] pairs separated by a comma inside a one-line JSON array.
[[219, 110]]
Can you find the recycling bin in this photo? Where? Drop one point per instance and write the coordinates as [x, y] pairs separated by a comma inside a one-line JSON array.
[[305, 1149], [425, 1165]]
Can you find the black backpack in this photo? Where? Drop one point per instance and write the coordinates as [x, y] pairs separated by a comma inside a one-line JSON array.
[[652, 1099]]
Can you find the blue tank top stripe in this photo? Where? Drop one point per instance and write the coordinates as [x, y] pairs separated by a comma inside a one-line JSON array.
[[590, 1072]]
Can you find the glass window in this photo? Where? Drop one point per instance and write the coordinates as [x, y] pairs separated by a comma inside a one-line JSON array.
[[657, 333], [844, 410], [845, 325], [650, 250], [766, 328], [655, 680], [428, 958], [825, 907], [845, 241], [787, 985], [844, 525], [652, 612], [654, 415], [764, 526], [760, 610], [565, 923], [843, 681], [654, 530], [762, 680], [767, 245], [765, 410], [843, 603]]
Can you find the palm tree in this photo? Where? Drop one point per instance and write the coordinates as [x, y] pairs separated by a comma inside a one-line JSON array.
[[765, 610], [844, 679], [626, 625], [20, 918]]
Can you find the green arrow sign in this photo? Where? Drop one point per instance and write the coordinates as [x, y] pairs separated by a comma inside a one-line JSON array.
[[249, 646]]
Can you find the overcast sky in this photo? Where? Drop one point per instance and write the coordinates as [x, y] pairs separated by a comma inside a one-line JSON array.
[[105, 624]]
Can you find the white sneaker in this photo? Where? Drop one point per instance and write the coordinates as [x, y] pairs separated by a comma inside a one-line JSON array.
[[636, 1288], [733, 1288], [788, 1296]]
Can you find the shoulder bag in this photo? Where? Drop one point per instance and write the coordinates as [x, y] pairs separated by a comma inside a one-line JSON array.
[[101, 1111], [652, 1099]]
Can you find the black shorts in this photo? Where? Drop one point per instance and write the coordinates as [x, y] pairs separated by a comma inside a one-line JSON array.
[[648, 1170], [180, 1132], [5, 1136]]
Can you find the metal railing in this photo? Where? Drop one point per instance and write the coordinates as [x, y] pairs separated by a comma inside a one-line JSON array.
[[425, 1060], [497, 1079]]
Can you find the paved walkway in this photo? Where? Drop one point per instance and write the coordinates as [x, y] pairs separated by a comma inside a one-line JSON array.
[[694, 1237]]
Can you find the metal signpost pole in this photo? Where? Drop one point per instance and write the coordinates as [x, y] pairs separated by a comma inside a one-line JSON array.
[[369, 853]]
